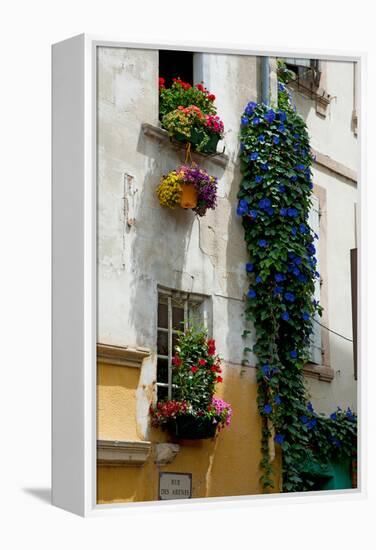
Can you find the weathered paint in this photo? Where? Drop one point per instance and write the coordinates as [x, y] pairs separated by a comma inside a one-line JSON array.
[[224, 466]]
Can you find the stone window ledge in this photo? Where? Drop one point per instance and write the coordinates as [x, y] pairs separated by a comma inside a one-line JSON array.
[[118, 453], [319, 372], [161, 135], [123, 356]]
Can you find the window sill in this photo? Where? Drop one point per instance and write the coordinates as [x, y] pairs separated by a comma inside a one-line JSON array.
[[119, 453], [121, 356], [318, 372], [161, 135]]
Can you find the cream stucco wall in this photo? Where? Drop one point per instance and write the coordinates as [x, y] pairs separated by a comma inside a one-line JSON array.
[[333, 136]]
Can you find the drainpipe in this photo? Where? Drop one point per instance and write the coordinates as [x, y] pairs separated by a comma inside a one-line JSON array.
[[265, 88]]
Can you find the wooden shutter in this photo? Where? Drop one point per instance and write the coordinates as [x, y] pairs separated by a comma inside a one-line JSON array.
[[315, 354]]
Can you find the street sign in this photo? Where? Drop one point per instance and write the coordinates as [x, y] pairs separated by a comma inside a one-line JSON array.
[[174, 485]]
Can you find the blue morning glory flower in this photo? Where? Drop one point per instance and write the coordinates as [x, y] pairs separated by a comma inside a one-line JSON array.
[[310, 185], [350, 415], [263, 243], [293, 354], [249, 267], [289, 297], [261, 138], [281, 188], [279, 277], [256, 121], [281, 87], [312, 423], [277, 400], [285, 316], [279, 438], [270, 116], [270, 211], [282, 116], [258, 179], [292, 212], [253, 156], [242, 208], [302, 278], [293, 178], [244, 120], [265, 369], [336, 442], [278, 290], [242, 146], [253, 214], [265, 203], [303, 228], [305, 316], [293, 231], [300, 167], [267, 408], [250, 108], [303, 419], [333, 416], [311, 249], [276, 140], [296, 271], [264, 166], [283, 212], [251, 293], [281, 128], [258, 279], [297, 261], [309, 407]]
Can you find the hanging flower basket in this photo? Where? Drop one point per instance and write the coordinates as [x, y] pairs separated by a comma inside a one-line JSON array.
[[188, 187]]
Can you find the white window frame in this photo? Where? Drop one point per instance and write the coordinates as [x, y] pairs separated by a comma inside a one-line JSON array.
[[198, 300]]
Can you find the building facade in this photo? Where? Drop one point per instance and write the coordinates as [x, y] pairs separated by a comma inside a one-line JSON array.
[[155, 267]]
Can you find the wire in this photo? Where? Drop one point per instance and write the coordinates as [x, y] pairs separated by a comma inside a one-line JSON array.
[[333, 331]]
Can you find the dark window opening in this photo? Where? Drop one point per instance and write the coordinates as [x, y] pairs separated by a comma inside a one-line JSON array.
[[175, 64]]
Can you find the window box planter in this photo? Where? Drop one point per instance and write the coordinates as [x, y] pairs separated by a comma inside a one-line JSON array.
[[197, 137], [192, 427]]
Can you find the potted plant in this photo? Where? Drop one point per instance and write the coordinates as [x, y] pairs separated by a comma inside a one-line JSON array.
[[189, 115], [188, 187], [194, 413]]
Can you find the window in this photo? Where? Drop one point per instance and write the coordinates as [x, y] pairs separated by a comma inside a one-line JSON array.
[[304, 69], [316, 349], [176, 64], [176, 310]]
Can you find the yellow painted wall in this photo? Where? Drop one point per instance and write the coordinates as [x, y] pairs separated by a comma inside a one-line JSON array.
[[227, 465]]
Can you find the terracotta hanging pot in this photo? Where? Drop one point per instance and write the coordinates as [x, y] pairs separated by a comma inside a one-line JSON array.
[[188, 198]]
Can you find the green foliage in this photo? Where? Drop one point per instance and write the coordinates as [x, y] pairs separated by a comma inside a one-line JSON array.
[[274, 202]]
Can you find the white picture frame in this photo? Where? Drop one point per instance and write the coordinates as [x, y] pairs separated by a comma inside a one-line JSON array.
[[74, 275]]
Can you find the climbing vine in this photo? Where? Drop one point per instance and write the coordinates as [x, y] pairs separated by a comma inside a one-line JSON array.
[[274, 203]]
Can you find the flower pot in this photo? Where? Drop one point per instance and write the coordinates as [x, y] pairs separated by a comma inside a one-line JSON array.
[[192, 427], [188, 197], [197, 136]]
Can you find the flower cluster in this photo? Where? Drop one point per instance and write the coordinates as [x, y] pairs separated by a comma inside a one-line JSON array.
[[169, 190], [274, 204], [188, 114], [196, 372]]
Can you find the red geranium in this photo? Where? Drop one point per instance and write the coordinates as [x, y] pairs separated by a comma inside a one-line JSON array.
[[211, 347], [219, 379], [211, 97], [194, 369], [176, 361], [202, 362], [162, 82]]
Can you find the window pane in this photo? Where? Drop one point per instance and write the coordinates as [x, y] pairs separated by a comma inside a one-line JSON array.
[[162, 315], [195, 313], [162, 370], [162, 393], [175, 339], [177, 318], [162, 343]]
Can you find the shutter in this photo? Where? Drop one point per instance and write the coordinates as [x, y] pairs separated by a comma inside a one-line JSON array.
[[315, 352]]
